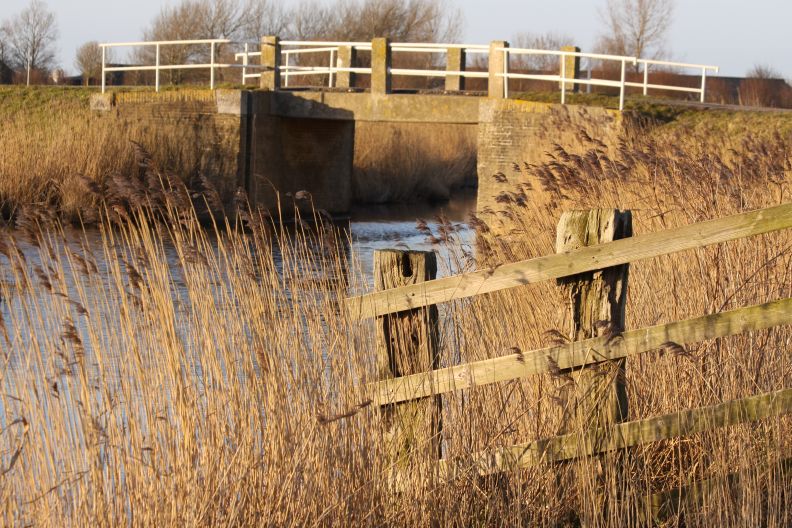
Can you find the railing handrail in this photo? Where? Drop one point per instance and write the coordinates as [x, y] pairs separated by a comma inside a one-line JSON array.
[[533, 51], [716, 69], [163, 43]]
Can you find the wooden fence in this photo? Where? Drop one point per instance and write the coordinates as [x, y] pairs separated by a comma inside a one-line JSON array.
[[593, 252]]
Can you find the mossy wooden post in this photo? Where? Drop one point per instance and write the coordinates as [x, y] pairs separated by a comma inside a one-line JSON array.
[[407, 344], [271, 61], [596, 300], [380, 66], [497, 84], [597, 303], [455, 63], [570, 67], [347, 58]]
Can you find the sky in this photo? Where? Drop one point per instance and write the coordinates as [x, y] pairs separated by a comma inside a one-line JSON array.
[[732, 34]]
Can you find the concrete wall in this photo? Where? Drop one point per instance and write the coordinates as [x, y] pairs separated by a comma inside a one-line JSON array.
[[518, 132], [391, 108], [278, 143], [288, 155], [183, 131]]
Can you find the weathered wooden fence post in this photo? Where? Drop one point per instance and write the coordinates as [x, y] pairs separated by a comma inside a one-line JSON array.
[[407, 343], [597, 301]]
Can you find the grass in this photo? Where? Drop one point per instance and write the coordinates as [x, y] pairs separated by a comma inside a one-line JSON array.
[[73, 145], [56, 148], [171, 375]]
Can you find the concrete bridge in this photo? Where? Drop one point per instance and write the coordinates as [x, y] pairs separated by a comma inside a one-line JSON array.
[[295, 137]]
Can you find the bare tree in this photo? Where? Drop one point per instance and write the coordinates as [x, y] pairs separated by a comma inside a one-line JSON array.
[[31, 37], [546, 41], [263, 17], [636, 28], [88, 60], [400, 20], [236, 20], [763, 86]]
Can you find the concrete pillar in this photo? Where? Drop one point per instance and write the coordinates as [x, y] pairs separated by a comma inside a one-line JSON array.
[[455, 61], [570, 68], [497, 67], [347, 58], [380, 66], [271, 60]]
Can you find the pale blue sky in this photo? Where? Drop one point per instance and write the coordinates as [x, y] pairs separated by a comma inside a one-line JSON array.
[[733, 34]]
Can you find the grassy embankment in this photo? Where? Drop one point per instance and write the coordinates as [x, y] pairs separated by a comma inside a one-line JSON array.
[[52, 144], [227, 390]]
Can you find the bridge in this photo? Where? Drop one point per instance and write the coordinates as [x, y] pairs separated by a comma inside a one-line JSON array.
[[301, 99]]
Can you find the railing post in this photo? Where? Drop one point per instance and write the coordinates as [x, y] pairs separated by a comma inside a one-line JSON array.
[[646, 79], [407, 343], [597, 398], [380, 66], [621, 89], [331, 67], [244, 64], [157, 70], [286, 57], [103, 68], [347, 58], [498, 67], [563, 79], [212, 65], [455, 62], [570, 67], [703, 83], [270, 61]]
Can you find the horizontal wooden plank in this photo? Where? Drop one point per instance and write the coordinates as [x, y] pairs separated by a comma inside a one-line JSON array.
[[620, 436], [581, 353], [662, 506], [560, 265]]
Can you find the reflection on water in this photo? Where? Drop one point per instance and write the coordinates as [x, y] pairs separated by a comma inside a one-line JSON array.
[[393, 226], [369, 228]]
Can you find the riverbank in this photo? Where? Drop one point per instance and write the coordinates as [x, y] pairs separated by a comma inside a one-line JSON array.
[[57, 150]]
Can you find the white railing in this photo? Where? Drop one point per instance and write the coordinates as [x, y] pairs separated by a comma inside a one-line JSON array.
[[158, 67], [565, 79], [291, 49], [646, 86], [332, 69]]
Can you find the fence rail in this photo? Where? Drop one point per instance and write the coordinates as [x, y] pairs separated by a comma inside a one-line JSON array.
[[408, 330], [499, 56], [623, 435], [585, 259], [580, 353]]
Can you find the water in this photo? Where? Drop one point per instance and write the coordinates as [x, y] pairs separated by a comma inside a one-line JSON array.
[[393, 226], [370, 228]]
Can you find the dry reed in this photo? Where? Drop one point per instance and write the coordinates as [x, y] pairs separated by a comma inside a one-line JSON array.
[[172, 375]]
